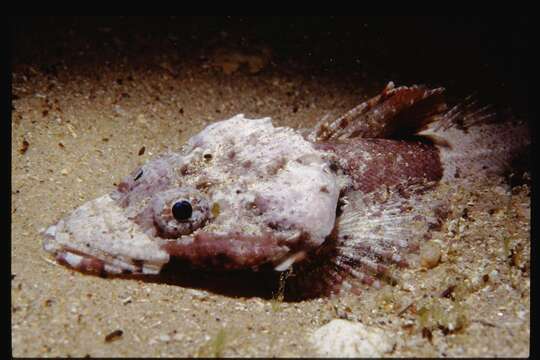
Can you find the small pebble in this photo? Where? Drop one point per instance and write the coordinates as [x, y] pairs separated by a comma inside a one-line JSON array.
[[72, 130], [24, 147], [342, 338], [430, 254], [127, 300]]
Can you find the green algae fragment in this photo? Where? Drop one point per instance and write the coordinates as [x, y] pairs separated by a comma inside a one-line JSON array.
[[215, 210]]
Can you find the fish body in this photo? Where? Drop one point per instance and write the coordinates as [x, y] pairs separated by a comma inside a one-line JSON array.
[[245, 194]]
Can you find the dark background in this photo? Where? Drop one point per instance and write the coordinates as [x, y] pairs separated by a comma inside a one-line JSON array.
[[485, 55]]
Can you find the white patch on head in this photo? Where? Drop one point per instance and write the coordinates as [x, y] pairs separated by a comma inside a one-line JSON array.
[[251, 160], [298, 200]]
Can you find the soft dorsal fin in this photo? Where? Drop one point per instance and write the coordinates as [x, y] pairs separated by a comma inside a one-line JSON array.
[[474, 141], [395, 113]]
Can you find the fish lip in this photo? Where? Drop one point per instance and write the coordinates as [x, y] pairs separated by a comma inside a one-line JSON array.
[[94, 265], [81, 262]]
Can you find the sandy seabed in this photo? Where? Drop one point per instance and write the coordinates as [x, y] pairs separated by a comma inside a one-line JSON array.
[[79, 131]]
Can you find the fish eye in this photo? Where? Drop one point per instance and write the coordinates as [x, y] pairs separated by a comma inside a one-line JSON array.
[[182, 210], [179, 211]]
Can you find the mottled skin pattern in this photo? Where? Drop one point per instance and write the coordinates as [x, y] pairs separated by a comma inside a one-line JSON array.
[[342, 200], [370, 163]]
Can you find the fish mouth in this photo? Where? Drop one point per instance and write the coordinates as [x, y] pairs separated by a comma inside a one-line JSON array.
[[98, 237]]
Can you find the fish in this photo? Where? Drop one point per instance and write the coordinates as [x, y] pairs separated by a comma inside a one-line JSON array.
[[340, 203]]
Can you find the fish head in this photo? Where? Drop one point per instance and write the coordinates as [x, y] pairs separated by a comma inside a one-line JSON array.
[[240, 194]]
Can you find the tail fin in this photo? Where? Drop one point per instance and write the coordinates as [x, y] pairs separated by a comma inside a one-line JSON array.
[[474, 142]]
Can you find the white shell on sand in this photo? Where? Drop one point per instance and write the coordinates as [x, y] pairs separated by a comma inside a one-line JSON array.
[[342, 338]]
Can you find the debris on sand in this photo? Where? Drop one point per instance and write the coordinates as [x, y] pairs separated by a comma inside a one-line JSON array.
[[115, 335], [230, 62], [24, 147]]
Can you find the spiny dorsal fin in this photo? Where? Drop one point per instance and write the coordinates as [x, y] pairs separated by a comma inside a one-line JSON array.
[[396, 112]]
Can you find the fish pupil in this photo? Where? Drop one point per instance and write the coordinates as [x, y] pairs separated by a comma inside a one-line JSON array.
[[138, 175], [182, 210]]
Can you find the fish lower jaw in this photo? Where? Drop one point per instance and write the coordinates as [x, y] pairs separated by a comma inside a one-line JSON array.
[[93, 265]]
